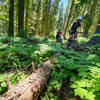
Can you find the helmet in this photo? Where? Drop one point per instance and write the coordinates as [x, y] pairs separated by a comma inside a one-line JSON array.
[[59, 29], [79, 18]]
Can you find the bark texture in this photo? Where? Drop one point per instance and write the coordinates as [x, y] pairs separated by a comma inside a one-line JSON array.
[[21, 18], [11, 19], [32, 86]]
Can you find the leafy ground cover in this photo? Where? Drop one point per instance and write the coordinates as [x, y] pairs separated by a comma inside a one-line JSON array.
[[17, 53], [75, 75]]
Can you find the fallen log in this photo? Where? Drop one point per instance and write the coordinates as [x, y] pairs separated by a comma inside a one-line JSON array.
[[32, 86], [29, 68]]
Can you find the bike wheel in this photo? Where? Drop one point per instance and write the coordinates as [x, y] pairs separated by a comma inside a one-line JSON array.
[[68, 44], [75, 45]]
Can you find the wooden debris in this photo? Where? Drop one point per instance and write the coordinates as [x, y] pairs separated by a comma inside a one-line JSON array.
[[32, 86]]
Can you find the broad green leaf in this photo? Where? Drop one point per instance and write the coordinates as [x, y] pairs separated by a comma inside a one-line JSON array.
[[3, 84], [90, 96], [81, 92]]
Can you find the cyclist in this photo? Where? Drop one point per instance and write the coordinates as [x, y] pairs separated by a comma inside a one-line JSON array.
[[58, 35], [73, 29]]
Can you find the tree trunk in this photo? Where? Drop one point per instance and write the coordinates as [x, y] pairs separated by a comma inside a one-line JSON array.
[[21, 18], [27, 15], [26, 24], [11, 19], [38, 16], [68, 18], [16, 18], [92, 18], [32, 19], [31, 87]]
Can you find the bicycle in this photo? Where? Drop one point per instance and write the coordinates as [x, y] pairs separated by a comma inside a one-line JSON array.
[[73, 43]]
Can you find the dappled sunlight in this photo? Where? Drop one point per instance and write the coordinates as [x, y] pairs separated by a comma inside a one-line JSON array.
[[82, 40], [63, 33]]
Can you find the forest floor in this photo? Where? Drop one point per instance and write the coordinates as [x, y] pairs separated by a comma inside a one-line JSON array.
[[75, 74]]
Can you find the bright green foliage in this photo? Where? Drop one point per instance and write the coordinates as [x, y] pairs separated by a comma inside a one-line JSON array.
[[82, 2], [97, 34], [18, 53], [18, 78], [82, 40], [13, 77], [40, 18], [86, 84], [83, 70]]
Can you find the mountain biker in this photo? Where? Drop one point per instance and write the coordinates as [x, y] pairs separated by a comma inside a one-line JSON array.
[[73, 29], [58, 35]]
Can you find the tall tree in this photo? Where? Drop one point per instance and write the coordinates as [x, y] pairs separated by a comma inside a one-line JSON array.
[[45, 17], [21, 18], [16, 17], [38, 16], [53, 15], [67, 21], [92, 17], [60, 18], [11, 19], [27, 15]]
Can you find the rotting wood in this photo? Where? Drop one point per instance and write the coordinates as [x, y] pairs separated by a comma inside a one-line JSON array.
[[32, 86], [29, 68], [9, 86]]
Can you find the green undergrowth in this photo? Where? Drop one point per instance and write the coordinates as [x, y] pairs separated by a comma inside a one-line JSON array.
[[13, 78], [83, 70], [80, 69], [82, 40], [16, 53]]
